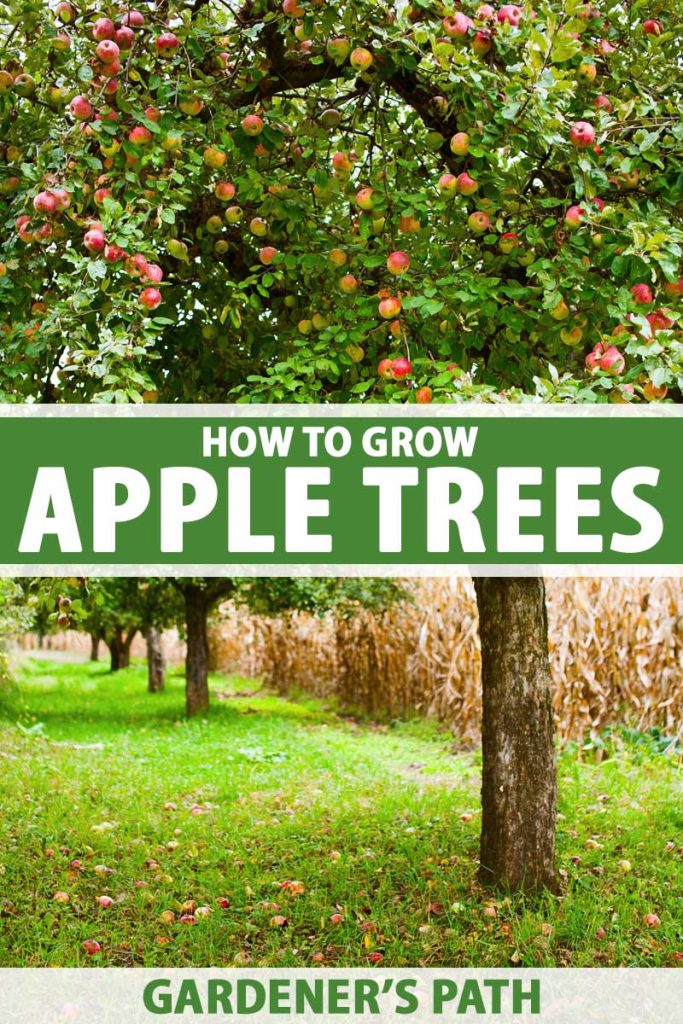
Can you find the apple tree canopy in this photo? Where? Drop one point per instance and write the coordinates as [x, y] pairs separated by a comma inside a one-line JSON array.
[[340, 201]]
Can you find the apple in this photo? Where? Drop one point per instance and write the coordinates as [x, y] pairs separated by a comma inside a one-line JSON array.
[[604, 47], [61, 42], [172, 143], [214, 225], [364, 199], [457, 25], [510, 14], [305, 326], [479, 222], [338, 49], [571, 335], [103, 28], [485, 12], [224, 190], [107, 51], [258, 226], [348, 284], [65, 12], [150, 298], [233, 215], [612, 361], [125, 37], [223, 902], [460, 144], [330, 118], [652, 27], [582, 134], [594, 356], [401, 368], [6, 81], [100, 195], [482, 42], [398, 262], [587, 72], [560, 311], [674, 288], [133, 18], [153, 272], [652, 921], [602, 102], [24, 85], [642, 293], [91, 946], [137, 265], [61, 897], [337, 257], [652, 393], [360, 59], [447, 184], [114, 253], [292, 8], [104, 901], [140, 136], [191, 105], [385, 369], [423, 396], [214, 158], [45, 203], [81, 108], [267, 254], [466, 185], [508, 242], [389, 308], [573, 218], [94, 240], [408, 225], [342, 163], [252, 125], [167, 44]]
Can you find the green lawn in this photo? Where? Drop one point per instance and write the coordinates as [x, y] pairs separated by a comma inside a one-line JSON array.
[[269, 791]]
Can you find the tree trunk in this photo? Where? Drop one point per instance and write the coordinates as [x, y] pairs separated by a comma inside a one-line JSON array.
[[94, 647], [156, 663], [519, 785], [197, 658], [119, 648]]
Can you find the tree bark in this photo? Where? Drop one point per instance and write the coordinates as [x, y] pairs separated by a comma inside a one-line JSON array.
[[519, 784], [156, 663], [197, 658], [94, 647], [119, 648]]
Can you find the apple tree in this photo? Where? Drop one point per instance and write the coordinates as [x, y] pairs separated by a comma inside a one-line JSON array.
[[353, 201]]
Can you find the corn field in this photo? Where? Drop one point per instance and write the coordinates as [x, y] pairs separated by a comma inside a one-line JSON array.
[[616, 650]]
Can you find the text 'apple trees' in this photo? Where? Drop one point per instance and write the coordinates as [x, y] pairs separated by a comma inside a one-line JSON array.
[[327, 200]]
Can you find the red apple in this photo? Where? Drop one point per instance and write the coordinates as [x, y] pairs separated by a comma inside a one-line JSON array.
[[267, 254], [582, 134], [508, 242], [389, 308], [364, 198], [482, 42], [401, 368], [104, 901], [45, 203], [125, 37], [62, 199], [447, 184], [81, 108], [460, 144], [466, 185], [214, 158], [674, 288], [103, 28], [94, 240], [573, 217], [511, 14], [107, 51], [457, 25], [384, 369], [360, 58], [603, 103], [133, 18], [140, 136], [423, 396], [114, 253], [612, 361], [652, 27], [642, 293], [167, 44], [225, 191], [101, 194], [292, 8], [91, 946], [152, 272], [479, 222], [252, 125], [65, 12], [348, 284], [398, 262], [150, 298]]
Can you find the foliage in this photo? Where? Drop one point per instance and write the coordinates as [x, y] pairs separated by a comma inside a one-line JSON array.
[[252, 308], [278, 595], [378, 825]]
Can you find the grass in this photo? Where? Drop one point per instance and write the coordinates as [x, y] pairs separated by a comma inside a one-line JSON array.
[[265, 791]]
